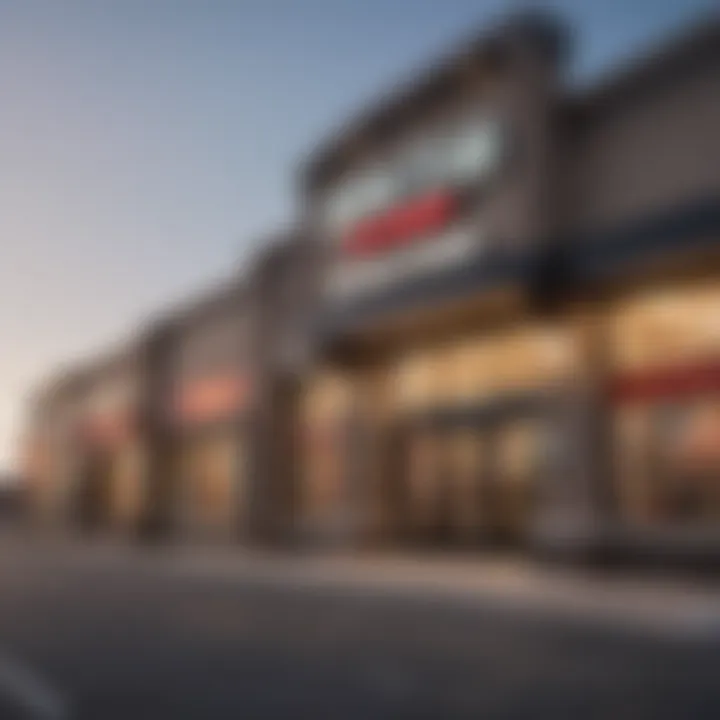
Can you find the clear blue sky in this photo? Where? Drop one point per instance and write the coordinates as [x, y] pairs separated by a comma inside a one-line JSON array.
[[146, 144]]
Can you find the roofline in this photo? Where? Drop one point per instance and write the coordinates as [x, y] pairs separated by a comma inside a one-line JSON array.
[[275, 249], [666, 53], [544, 28], [72, 375], [234, 286], [207, 301]]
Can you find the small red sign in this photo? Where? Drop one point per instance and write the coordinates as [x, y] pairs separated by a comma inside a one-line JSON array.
[[402, 224], [210, 398], [109, 430], [667, 382]]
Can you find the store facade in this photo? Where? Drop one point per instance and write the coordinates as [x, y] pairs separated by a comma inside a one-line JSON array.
[[207, 414], [436, 417], [52, 451], [644, 214], [494, 326], [497, 253], [109, 483]]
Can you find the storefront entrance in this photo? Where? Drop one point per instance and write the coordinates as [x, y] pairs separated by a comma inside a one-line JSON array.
[[211, 484], [666, 393], [445, 443], [470, 477]]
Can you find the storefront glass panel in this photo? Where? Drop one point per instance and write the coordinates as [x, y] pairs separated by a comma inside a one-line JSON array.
[[126, 481], [521, 462], [472, 463], [212, 483], [668, 465], [666, 392]]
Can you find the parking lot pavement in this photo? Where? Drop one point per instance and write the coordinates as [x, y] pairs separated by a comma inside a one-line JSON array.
[[652, 605], [118, 633]]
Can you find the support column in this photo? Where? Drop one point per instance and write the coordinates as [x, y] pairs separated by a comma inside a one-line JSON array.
[[577, 506], [157, 514], [273, 459]]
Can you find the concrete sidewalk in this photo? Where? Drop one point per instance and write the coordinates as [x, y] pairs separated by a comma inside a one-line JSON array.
[[662, 607]]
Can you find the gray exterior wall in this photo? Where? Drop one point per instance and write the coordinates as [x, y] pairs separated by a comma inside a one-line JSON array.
[[647, 139], [284, 297]]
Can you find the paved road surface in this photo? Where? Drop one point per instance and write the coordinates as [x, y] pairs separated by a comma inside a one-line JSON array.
[[118, 638]]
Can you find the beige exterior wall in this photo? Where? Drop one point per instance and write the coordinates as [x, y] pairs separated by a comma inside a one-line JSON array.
[[478, 366], [666, 326]]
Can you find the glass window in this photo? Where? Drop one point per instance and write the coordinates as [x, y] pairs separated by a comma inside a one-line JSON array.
[[415, 381], [210, 473], [669, 462]]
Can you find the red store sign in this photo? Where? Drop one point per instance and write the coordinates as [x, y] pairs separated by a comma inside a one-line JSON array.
[[109, 429], [418, 218], [211, 398], [674, 381]]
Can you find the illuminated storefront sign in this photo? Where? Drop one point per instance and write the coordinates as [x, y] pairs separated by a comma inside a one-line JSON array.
[[405, 223], [413, 219], [445, 250], [210, 398], [466, 153], [677, 381]]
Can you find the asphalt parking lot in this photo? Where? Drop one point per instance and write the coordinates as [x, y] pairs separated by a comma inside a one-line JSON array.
[[102, 635]]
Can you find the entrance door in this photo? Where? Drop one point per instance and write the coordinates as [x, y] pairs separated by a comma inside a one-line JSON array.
[[472, 483], [211, 485]]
